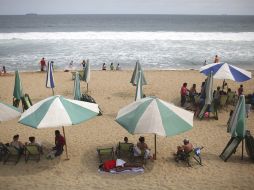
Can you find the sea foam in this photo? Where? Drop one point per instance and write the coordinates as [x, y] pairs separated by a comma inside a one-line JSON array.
[[145, 36]]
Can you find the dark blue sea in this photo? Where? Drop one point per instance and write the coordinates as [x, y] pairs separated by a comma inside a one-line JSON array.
[[157, 41]]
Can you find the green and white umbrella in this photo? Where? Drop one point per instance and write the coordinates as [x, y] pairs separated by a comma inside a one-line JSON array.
[[237, 124], [134, 78], [209, 94], [152, 115], [57, 111], [139, 90], [86, 75], [76, 90], [8, 112], [18, 90]]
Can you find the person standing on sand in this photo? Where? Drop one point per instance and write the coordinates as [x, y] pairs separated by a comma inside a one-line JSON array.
[[216, 59], [43, 64], [83, 64]]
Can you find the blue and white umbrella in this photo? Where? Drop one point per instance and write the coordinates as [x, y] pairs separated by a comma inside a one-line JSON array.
[[50, 77], [57, 111], [226, 71]]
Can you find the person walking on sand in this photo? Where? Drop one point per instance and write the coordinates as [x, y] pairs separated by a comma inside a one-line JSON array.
[[83, 64], [43, 64], [216, 59], [111, 67], [104, 67]]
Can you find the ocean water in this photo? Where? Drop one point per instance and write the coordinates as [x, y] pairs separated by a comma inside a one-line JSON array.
[[157, 41]]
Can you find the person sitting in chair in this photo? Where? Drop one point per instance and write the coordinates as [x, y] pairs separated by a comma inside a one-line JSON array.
[[142, 147], [17, 144], [37, 144], [59, 142], [183, 150]]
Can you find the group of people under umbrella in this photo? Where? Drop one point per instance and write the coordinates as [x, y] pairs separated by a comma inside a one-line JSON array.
[[146, 115]]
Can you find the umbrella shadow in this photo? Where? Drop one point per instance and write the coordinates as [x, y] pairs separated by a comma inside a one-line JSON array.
[[31, 167], [90, 162]]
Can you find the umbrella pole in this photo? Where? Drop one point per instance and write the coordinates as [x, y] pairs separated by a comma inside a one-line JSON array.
[[242, 148], [67, 158], [87, 87], [53, 91], [154, 146]]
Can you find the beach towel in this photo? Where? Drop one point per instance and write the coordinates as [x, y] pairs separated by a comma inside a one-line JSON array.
[[134, 170]]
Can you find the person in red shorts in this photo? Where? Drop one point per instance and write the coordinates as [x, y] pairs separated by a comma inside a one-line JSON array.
[[43, 64], [183, 92]]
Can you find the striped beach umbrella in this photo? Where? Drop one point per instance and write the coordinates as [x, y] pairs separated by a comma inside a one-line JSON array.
[[57, 111], [76, 90], [50, 83], [152, 115], [139, 91], [226, 71], [209, 94], [237, 124], [18, 89], [86, 75], [8, 112], [135, 74]]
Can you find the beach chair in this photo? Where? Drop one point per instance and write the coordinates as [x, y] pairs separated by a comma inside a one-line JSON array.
[[15, 102], [106, 153], [32, 153], [81, 73], [223, 100], [124, 149], [12, 155], [232, 98], [26, 102], [3, 151], [194, 154]]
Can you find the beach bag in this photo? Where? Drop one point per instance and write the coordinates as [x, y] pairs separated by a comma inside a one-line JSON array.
[[87, 98], [108, 165]]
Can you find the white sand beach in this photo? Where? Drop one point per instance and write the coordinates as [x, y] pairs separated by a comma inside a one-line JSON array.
[[112, 90]]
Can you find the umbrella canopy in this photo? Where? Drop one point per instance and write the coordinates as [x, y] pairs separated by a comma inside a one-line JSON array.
[[139, 91], [237, 124], [152, 115], [134, 78], [8, 112], [18, 90], [57, 111], [209, 89], [226, 71], [50, 83], [86, 75], [77, 93]]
